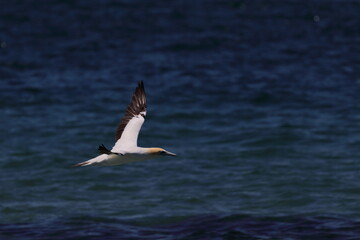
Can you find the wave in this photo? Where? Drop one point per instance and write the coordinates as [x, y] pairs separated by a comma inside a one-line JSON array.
[[194, 227]]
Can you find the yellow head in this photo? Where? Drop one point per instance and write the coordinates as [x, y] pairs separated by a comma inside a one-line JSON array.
[[160, 152]]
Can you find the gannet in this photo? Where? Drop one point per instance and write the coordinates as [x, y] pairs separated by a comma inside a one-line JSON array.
[[125, 149]]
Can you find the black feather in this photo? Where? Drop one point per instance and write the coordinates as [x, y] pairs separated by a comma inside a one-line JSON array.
[[102, 149], [137, 105]]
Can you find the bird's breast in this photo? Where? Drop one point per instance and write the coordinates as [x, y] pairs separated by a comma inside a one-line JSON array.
[[114, 159]]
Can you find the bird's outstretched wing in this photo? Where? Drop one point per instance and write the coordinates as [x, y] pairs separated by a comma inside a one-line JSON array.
[[128, 130]]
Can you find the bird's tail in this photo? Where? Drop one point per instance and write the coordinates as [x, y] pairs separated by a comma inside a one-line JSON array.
[[94, 161]]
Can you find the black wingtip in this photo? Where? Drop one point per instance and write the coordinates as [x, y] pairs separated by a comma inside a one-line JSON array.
[[102, 149], [78, 165]]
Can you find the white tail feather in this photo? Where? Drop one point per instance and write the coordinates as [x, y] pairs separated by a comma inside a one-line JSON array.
[[94, 161]]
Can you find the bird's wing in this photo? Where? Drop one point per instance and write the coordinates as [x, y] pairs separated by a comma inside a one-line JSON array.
[[128, 130]]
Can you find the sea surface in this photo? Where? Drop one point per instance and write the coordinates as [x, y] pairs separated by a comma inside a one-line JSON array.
[[260, 100]]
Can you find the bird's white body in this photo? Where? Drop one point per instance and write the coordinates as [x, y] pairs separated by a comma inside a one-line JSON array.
[[125, 149], [137, 154]]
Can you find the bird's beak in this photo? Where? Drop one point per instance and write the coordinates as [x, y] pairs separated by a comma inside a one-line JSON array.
[[170, 154]]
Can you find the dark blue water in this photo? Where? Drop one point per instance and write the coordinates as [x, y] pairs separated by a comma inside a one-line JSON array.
[[259, 99]]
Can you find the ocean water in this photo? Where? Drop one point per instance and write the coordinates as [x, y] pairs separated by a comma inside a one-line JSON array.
[[259, 99]]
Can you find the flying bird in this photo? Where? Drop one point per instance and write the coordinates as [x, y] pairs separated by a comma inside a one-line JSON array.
[[126, 149]]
